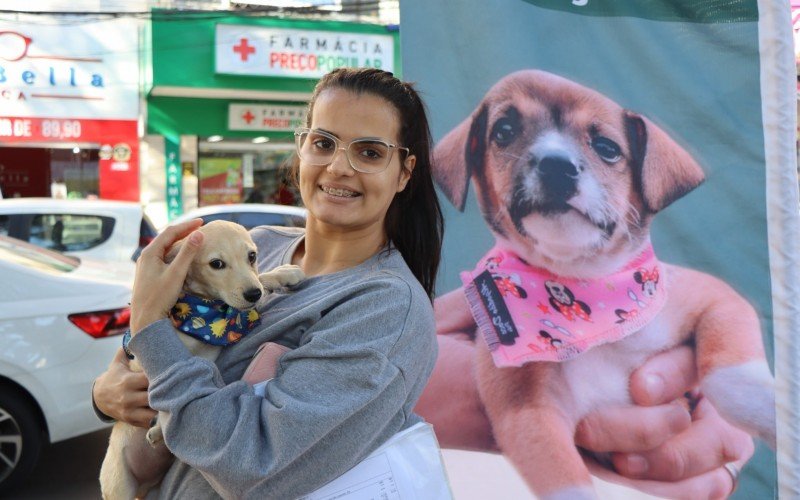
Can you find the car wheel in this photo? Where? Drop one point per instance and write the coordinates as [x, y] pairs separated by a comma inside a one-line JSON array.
[[21, 439]]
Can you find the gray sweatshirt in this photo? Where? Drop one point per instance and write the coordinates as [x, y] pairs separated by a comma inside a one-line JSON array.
[[364, 345]]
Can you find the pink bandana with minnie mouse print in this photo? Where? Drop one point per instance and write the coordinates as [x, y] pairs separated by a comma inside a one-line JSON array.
[[529, 314]]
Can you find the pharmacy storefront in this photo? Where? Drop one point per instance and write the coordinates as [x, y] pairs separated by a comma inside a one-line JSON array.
[[227, 94], [69, 107]]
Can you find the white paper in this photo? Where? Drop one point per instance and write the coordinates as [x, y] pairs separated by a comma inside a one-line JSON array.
[[407, 467]]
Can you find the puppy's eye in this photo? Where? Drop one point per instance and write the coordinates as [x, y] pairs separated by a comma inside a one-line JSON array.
[[607, 149], [251, 257], [216, 264], [504, 132]]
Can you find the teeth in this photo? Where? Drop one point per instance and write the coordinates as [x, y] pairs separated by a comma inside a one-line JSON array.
[[339, 192]]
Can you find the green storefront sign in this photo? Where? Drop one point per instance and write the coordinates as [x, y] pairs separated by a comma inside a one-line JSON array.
[[186, 94], [218, 76]]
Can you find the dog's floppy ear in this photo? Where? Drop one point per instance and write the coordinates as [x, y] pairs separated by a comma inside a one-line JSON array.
[[173, 251], [459, 155], [663, 170]]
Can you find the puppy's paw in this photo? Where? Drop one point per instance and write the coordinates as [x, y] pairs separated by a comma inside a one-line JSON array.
[[745, 395], [154, 436], [285, 275]]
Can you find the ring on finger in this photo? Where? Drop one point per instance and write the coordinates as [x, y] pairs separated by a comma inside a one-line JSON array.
[[734, 472]]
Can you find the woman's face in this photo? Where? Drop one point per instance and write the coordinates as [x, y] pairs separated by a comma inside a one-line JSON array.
[[336, 196]]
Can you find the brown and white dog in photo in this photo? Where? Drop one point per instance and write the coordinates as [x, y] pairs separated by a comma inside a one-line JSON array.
[[570, 181], [224, 269]]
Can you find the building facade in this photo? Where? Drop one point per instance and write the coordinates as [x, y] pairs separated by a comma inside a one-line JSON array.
[[69, 111], [226, 95]]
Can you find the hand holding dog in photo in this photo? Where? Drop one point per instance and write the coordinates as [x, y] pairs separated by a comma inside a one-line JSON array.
[[572, 298], [684, 453]]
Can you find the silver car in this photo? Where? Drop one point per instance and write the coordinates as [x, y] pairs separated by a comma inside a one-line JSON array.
[[110, 231], [249, 215]]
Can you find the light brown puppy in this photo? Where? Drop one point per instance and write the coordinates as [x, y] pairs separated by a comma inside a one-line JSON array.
[[224, 269], [570, 181]]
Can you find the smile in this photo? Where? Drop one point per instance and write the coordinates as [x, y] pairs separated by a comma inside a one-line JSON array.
[[342, 193]]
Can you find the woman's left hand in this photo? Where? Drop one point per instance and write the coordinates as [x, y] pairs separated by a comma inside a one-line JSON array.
[[158, 284]]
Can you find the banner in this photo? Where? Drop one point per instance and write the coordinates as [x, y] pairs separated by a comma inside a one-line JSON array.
[[297, 53], [93, 76], [625, 175], [220, 180]]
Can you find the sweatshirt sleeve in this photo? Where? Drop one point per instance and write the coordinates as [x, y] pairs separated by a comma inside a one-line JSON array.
[[335, 398]]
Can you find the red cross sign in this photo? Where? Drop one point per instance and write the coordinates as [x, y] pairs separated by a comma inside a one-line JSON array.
[[243, 49]]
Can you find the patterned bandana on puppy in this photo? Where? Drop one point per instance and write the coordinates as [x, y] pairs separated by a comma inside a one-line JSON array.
[[529, 314], [211, 321]]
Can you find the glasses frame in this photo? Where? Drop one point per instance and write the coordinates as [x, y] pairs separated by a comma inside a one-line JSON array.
[[340, 146]]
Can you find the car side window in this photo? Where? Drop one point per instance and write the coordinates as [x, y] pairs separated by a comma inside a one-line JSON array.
[[253, 219], [5, 223], [70, 232]]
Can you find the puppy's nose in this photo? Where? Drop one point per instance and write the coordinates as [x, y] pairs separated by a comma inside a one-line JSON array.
[[252, 295], [559, 177]]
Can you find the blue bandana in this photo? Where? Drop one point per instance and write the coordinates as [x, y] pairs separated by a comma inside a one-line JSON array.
[[211, 321]]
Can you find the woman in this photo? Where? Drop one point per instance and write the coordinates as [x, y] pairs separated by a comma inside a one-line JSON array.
[[360, 326]]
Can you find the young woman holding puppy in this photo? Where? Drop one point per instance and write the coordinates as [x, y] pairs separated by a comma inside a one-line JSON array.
[[361, 326]]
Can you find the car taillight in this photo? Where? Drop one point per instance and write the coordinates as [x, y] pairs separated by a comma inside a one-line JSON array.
[[100, 324]]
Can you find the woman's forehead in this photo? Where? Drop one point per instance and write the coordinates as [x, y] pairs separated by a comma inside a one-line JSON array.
[[349, 115]]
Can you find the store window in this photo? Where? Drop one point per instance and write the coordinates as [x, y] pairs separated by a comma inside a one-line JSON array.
[[74, 173], [246, 176], [70, 233]]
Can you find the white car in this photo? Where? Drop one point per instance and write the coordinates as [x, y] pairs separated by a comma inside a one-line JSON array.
[[249, 215], [112, 231], [60, 325]]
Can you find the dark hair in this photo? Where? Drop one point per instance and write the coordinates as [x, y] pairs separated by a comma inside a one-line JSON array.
[[414, 222]]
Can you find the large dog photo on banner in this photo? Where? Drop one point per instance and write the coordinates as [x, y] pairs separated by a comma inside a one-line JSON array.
[[572, 296]]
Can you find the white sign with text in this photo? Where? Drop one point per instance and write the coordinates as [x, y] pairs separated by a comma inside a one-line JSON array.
[[263, 51], [265, 117], [69, 71]]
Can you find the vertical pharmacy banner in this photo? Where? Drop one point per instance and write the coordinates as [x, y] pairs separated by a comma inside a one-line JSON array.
[[618, 179]]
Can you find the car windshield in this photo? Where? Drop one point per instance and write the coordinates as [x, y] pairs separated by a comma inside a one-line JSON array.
[[25, 254]]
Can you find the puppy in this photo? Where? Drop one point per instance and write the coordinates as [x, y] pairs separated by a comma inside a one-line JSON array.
[[568, 182], [223, 273]]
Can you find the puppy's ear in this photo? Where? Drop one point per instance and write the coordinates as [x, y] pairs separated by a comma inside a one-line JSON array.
[[173, 251], [459, 155], [663, 170]]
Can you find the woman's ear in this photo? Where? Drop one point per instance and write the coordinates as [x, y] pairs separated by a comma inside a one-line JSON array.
[[405, 173]]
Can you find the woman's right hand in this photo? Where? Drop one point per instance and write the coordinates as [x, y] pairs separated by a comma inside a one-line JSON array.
[[121, 393]]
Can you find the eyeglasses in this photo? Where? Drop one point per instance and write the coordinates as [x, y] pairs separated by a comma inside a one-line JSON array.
[[368, 155]]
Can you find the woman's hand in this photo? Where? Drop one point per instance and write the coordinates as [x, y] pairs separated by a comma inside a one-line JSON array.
[[660, 447], [121, 393], [158, 283]]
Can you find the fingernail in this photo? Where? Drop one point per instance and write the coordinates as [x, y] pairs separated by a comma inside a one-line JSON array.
[[655, 386], [637, 465], [196, 237]]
